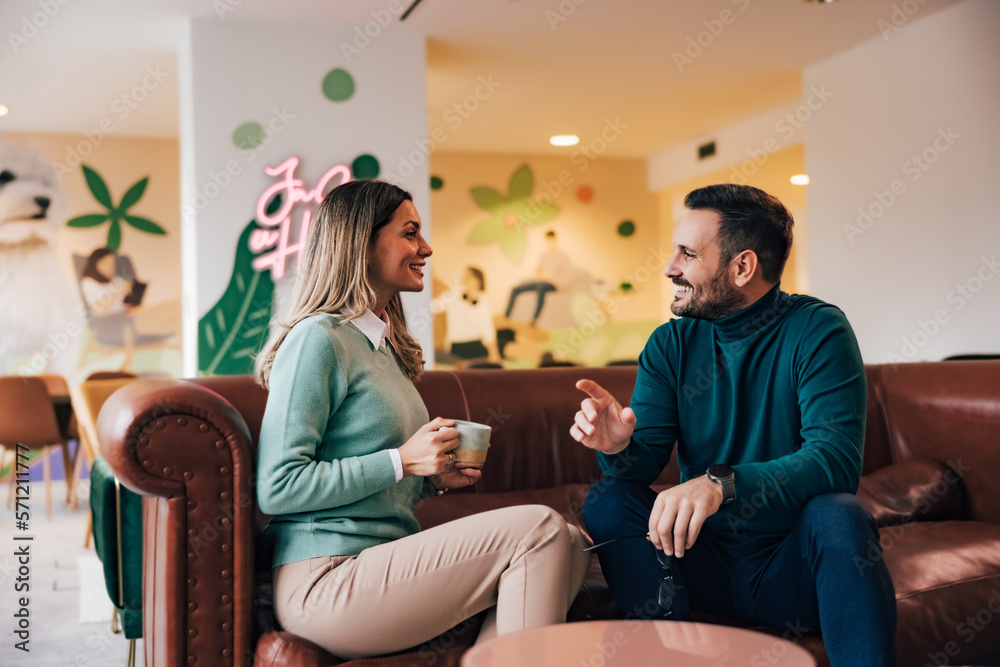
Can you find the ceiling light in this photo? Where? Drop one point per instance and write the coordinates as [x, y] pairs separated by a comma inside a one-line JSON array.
[[564, 140], [800, 179], [3, 109]]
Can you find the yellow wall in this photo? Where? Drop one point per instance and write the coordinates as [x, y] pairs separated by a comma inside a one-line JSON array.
[[587, 232], [772, 177]]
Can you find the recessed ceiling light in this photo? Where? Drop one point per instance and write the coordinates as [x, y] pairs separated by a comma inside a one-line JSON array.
[[820, 2], [564, 140], [3, 110], [800, 179]]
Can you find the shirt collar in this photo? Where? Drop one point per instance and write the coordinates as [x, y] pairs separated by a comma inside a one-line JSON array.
[[373, 327]]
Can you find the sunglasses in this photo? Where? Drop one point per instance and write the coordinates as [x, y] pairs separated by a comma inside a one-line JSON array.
[[670, 589]]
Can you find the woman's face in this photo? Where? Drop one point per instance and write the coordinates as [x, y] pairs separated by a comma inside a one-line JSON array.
[[399, 254], [106, 266]]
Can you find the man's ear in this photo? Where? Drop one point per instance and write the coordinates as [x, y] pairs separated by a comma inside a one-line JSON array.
[[744, 267]]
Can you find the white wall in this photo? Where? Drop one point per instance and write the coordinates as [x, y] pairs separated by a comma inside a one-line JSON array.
[[918, 277], [233, 73]]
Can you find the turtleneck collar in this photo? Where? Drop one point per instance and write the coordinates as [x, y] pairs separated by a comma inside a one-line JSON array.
[[760, 314]]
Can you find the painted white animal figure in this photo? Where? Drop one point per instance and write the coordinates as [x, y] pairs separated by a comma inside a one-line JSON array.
[[41, 317]]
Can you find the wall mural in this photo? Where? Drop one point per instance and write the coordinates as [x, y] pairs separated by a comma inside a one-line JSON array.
[[511, 214]]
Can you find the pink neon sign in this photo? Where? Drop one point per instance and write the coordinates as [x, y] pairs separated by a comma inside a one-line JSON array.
[[280, 222]]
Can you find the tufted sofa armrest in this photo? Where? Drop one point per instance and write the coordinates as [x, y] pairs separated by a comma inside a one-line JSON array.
[[188, 451]]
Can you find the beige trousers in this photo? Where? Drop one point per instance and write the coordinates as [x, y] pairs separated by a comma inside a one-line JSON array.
[[525, 561]]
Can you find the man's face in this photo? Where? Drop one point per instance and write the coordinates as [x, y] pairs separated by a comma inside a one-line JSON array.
[[703, 287]]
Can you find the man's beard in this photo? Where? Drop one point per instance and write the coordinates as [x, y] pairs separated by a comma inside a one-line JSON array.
[[713, 301]]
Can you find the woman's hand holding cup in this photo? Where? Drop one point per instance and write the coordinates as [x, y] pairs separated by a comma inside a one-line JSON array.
[[428, 451]]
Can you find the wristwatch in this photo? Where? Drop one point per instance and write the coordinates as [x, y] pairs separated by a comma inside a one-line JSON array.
[[726, 476]]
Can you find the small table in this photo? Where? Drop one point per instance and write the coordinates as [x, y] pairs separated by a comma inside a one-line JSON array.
[[636, 644]]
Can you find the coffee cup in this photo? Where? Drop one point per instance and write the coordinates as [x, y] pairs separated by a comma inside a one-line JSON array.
[[473, 441]]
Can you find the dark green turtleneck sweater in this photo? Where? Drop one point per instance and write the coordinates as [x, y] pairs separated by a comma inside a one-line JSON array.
[[777, 391]]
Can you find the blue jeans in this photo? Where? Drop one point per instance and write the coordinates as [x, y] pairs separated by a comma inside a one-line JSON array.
[[540, 287], [804, 582]]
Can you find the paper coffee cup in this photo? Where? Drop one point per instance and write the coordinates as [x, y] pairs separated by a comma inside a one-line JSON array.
[[473, 441]]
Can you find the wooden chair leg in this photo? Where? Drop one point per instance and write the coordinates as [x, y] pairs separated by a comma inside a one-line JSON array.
[[90, 529], [68, 464]]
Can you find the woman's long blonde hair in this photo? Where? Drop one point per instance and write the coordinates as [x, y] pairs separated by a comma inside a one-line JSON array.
[[333, 273]]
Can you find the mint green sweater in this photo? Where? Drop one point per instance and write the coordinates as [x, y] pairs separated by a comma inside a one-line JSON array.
[[777, 391], [335, 408]]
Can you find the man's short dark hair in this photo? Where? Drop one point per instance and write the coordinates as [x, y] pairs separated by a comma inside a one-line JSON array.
[[750, 219]]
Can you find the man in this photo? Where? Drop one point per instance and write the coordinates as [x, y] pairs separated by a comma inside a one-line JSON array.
[[764, 394]]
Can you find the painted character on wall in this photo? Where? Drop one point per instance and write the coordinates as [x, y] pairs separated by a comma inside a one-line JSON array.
[[40, 313], [470, 333]]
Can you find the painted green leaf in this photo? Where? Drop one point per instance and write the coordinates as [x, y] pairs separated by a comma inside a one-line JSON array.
[[133, 195], [488, 198], [233, 330], [488, 231], [513, 246], [114, 236], [521, 183], [89, 220], [98, 187], [145, 225]]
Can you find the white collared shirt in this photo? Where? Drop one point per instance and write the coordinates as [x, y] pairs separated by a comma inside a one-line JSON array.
[[376, 329]]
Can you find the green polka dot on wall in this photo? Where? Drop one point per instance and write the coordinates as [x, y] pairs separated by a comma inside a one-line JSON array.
[[437, 182], [248, 135], [338, 85], [365, 166], [626, 228]]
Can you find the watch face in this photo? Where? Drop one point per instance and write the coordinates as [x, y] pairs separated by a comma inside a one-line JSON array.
[[721, 471]]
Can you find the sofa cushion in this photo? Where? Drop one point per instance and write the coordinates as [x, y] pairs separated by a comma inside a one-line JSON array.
[[941, 570], [917, 490]]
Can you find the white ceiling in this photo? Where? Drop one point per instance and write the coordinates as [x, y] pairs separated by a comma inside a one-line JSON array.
[[607, 59]]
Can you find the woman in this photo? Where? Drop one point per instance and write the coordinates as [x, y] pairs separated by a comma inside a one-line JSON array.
[[103, 289], [346, 449]]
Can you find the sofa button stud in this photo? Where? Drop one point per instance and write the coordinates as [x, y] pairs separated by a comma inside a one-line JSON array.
[[192, 582], [224, 470], [192, 556], [147, 463], [224, 495], [160, 424], [220, 444], [181, 421], [226, 653], [203, 428], [188, 475], [192, 659], [191, 505], [226, 626], [225, 548], [143, 441], [192, 606], [226, 599], [225, 574], [192, 632], [168, 471], [225, 521]]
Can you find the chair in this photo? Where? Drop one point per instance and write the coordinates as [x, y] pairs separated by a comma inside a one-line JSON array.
[[68, 429], [88, 399], [27, 418], [116, 330], [117, 517]]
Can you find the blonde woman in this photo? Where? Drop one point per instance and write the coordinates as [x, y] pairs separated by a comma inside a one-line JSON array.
[[346, 449]]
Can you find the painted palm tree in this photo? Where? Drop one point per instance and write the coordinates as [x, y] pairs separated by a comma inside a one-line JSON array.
[[116, 214], [511, 214]]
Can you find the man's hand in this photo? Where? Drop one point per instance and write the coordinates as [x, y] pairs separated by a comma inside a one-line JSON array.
[[601, 422], [679, 512]]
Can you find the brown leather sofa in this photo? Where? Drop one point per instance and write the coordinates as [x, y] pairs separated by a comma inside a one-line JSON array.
[[931, 465]]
